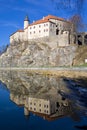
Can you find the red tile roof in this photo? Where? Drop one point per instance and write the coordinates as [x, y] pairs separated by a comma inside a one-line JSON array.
[[20, 30], [17, 31], [53, 17], [46, 19]]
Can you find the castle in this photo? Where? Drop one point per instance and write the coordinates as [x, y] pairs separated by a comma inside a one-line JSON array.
[[47, 27]]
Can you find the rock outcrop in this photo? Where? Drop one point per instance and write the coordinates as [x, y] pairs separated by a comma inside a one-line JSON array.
[[36, 53]]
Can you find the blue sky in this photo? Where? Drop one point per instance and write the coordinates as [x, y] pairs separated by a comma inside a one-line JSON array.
[[13, 12]]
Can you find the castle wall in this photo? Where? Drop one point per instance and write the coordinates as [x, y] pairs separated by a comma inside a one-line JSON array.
[[52, 29], [63, 25], [25, 35], [63, 39], [17, 37]]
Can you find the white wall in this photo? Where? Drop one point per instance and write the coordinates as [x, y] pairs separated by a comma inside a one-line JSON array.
[[39, 105], [26, 24], [52, 29], [16, 37], [38, 31]]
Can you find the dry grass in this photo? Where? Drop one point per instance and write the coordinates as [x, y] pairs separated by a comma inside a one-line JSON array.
[[65, 73]]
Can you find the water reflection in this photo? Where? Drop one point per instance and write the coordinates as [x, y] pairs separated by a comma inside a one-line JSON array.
[[47, 96]]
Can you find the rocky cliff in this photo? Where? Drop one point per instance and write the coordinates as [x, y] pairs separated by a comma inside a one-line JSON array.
[[34, 53], [80, 56]]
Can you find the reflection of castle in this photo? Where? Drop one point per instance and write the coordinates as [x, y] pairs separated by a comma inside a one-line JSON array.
[[47, 108], [39, 94]]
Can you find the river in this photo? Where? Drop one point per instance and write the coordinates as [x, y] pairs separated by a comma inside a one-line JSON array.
[[41, 102]]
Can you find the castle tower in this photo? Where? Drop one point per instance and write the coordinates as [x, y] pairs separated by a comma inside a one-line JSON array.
[[26, 22]]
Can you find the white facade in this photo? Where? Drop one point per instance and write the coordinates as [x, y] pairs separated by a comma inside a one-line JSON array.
[[39, 105], [48, 26], [18, 36], [39, 30]]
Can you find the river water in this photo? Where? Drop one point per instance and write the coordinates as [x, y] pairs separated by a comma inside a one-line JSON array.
[[36, 102]]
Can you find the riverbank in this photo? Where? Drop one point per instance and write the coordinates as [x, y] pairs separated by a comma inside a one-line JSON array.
[[72, 72]]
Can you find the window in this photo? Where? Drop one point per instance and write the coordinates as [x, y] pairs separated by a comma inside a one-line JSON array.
[[34, 109], [39, 26], [46, 24], [40, 110], [34, 26], [57, 104], [47, 106], [39, 31], [47, 111], [44, 105], [40, 105], [30, 108], [34, 103], [30, 27], [30, 32], [57, 31], [34, 31], [30, 103], [44, 30]]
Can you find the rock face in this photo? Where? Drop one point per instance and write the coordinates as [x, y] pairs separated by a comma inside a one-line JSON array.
[[80, 56], [34, 53]]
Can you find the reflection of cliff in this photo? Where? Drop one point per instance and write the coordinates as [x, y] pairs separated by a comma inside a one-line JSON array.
[[32, 84], [37, 93]]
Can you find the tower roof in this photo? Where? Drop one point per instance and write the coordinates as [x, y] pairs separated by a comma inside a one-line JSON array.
[[26, 18]]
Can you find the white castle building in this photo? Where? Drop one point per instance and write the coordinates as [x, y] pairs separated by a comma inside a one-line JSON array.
[[49, 26]]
